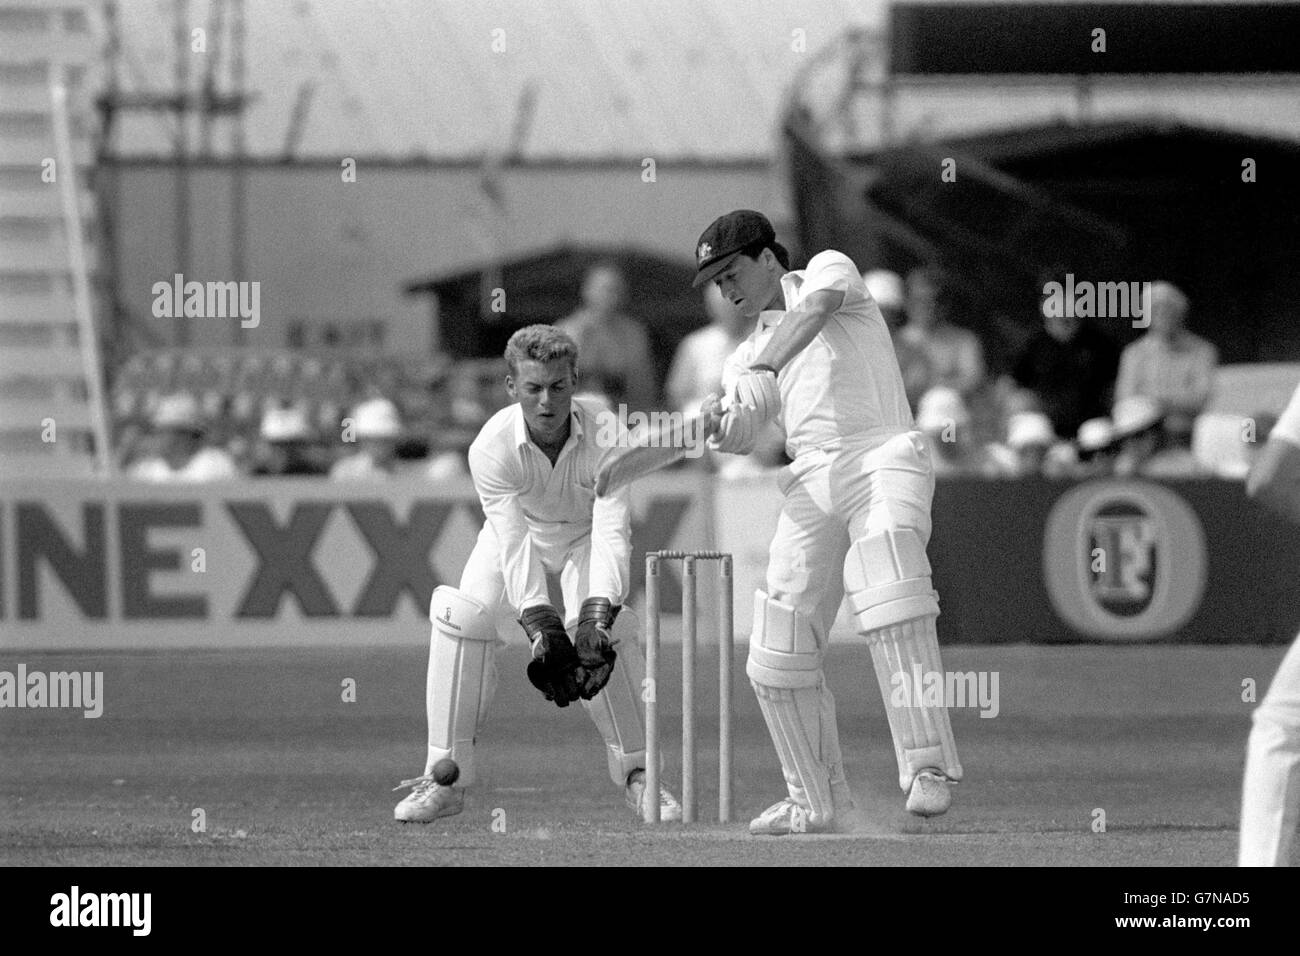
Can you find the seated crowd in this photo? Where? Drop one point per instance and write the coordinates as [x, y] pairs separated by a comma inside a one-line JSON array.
[[1071, 404]]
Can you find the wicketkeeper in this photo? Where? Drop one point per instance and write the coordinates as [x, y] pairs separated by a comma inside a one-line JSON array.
[[534, 465]]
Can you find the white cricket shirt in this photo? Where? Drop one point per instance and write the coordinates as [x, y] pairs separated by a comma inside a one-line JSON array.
[[540, 514], [845, 386]]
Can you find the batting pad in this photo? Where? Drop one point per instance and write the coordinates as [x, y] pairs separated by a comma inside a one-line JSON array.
[[617, 711], [887, 581], [462, 677], [785, 669], [922, 732]]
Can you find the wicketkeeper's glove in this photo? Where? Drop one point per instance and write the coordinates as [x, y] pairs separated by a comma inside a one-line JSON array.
[[555, 669], [594, 645]]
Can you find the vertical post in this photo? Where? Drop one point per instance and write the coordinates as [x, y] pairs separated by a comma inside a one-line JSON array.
[[726, 649], [649, 692], [74, 228], [183, 225], [239, 174], [689, 801]]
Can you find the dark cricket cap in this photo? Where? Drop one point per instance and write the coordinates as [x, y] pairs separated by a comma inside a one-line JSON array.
[[725, 237]]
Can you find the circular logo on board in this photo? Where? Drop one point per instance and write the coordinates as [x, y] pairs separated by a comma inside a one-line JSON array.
[[1124, 560]]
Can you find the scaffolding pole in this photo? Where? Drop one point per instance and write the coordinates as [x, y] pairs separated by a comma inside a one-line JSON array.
[[67, 177]]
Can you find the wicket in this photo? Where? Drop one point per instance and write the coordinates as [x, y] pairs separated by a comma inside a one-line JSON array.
[[726, 635]]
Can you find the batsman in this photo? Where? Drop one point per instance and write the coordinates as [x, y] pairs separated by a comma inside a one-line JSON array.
[[534, 466], [855, 518]]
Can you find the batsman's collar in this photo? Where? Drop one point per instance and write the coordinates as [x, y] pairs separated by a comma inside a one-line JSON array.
[[726, 236]]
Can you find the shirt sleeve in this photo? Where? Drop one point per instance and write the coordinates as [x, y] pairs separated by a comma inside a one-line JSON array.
[[498, 488], [1288, 425], [611, 547], [831, 270], [736, 363]]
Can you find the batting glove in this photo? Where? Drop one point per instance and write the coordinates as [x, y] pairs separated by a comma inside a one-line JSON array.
[[711, 415], [756, 388], [738, 431]]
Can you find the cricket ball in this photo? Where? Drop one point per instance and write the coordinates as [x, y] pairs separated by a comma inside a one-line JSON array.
[[445, 772]]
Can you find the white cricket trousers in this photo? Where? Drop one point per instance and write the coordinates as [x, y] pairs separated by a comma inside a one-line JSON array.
[[832, 499], [616, 710], [1270, 798]]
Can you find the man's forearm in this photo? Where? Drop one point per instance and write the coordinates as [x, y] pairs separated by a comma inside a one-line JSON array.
[[611, 548], [790, 338], [521, 567]]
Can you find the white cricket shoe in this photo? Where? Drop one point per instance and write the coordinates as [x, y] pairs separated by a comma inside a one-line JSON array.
[[428, 801], [670, 811], [929, 796], [784, 818]]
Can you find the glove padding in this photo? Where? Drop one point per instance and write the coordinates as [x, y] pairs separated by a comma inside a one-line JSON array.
[[737, 432], [756, 388], [594, 646], [555, 669]]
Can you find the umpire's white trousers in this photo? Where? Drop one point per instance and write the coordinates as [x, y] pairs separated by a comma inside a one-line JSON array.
[[1270, 799]]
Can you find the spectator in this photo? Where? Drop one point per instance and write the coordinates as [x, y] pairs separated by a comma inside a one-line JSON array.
[[377, 428], [1029, 439], [181, 455], [697, 366], [1061, 460], [945, 421], [285, 445], [130, 445], [616, 359], [1168, 364], [1070, 365], [1145, 448], [956, 357], [447, 464], [1096, 444], [886, 289]]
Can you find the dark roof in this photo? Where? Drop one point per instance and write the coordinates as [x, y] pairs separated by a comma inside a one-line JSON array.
[[544, 287]]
